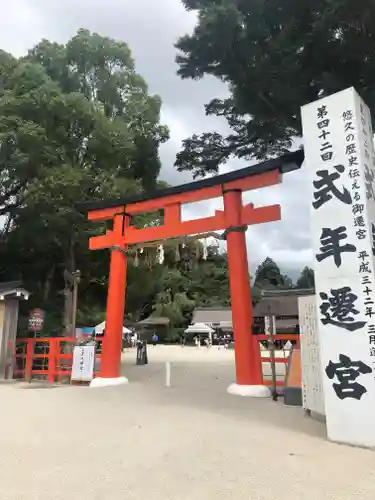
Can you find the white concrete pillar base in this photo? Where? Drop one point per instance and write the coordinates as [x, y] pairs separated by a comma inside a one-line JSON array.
[[250, 391], [106, 382]]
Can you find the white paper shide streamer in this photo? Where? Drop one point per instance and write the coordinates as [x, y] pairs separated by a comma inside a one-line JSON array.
[[160, 250], [205, 253]]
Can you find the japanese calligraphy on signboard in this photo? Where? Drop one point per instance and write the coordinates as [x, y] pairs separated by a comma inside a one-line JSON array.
[[83, 363], [339, 155], [312, 385]]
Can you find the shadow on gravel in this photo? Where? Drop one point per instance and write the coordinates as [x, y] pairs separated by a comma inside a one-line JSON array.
[[204, 386]]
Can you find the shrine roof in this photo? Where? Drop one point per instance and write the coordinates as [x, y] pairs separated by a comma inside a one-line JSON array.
[[154, 321], [280, 302], [10, 289], [285, 163], [212, 315]]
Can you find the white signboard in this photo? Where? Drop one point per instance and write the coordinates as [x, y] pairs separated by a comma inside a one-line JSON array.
[[339, 157], [83, 363], [312, 384]]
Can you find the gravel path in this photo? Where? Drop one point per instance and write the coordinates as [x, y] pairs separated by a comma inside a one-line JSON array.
[[147, 442]]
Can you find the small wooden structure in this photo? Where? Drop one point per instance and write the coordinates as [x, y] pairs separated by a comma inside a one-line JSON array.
[[11, 292], [153, 324]]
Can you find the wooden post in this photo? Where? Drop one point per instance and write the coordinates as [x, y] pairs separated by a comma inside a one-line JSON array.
[[76, 280], [53, 344], [270, 330], [29, 359]]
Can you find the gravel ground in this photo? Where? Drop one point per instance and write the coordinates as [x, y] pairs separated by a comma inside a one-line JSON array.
[[144, 441]]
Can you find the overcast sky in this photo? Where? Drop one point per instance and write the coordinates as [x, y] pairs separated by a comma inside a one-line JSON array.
[[151, 28]]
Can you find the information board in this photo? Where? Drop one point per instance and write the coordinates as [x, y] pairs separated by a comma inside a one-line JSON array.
[[36, 320], [312, 385], [83, 363]]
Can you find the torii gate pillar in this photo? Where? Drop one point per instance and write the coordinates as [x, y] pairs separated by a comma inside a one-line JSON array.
[[247, 353], [110, 366]]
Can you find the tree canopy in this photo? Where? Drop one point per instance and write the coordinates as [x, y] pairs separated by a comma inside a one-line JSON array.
[[268, 276], [79, 106], [76, 123], [275, 56], [306, 278]]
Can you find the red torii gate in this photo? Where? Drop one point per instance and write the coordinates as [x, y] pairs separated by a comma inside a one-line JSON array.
[[234, 219]]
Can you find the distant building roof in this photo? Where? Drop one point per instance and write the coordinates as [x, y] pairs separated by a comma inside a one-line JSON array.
[[212, 315], [280, 302], [288, 291], [154, 321], [10, 289], [276, 302]]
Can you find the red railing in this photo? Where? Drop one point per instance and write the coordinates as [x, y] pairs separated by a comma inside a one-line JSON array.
[[44, 357], [282, 360]]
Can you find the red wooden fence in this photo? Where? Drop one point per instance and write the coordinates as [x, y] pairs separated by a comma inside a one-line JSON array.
[[44, 357], [47, 357], [283, 360]]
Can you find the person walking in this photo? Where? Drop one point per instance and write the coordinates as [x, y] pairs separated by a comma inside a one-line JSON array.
[[220, 340], [155, 339], [226, 341], [182, 340]]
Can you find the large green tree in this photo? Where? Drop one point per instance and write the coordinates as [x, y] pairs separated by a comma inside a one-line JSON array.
[[275, 56], [81, 105], [76, 123], [103, 71]]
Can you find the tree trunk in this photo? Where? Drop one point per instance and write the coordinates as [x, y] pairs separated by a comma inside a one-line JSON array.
[[68, 296], [67, 310], [48, 282], [71, 261]]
